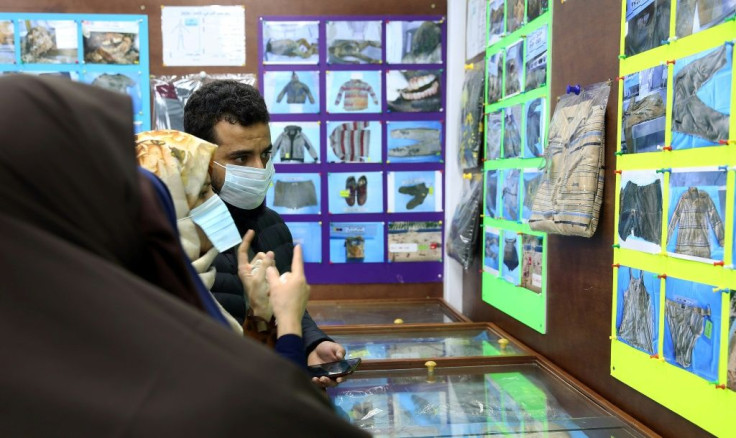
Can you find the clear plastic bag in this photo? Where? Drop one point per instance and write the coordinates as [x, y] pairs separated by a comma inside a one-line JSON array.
[[170, 95], [465, 224]]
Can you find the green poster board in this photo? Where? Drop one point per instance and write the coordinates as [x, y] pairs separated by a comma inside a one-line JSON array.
[[682, 159], [517, 113]]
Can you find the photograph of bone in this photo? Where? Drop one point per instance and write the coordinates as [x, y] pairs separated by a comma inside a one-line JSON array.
[[48, 41], [414, 142], [411, 91], [290, 42], [413, 42], [111, 42], [354, 42]]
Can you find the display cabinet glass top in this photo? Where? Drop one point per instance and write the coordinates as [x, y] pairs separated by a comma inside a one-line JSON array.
[[327, 313], [420, 344], [504, 400]]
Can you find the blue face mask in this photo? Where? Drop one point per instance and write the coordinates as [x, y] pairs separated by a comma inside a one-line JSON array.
[[215, 220]]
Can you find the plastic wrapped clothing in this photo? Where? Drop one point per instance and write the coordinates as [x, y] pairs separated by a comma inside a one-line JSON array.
[[171, 93], [463, 233], [694, 213], [637, 323], [569, 197], [690, 115], [128, 357], [471, 117], [641, 212]]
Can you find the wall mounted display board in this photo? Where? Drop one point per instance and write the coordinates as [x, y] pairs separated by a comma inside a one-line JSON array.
[[109, 51], [672, 327], [517, 100], [357, 109], [399, 311]]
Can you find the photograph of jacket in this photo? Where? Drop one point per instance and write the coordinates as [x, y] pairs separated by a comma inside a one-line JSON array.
[[351, 141], [512, 132], [356, 94], [291, 144], [641, 212], [690, 115], [694, 212], [295, 91], [639, 111]]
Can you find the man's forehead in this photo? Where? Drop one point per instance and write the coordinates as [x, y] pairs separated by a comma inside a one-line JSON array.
[[242, 137]]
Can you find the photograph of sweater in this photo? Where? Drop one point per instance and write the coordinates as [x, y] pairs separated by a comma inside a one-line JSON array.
[[350, 141], [355, 92]]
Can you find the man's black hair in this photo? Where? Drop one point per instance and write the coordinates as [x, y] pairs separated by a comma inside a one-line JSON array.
[[223, 100]]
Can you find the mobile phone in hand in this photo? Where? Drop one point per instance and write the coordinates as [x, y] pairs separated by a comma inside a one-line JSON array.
[[336, 369]]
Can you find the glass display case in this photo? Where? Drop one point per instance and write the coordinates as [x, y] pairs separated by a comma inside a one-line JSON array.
[[371, 312], [456, 340], [525, 399]]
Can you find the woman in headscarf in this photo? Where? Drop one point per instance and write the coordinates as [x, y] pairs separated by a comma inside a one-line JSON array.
[[105, 336]]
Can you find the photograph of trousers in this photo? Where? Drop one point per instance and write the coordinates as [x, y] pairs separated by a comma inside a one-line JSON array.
[[686, 325], [510, 195], [694, 213], [709, 13], [294, 194], [637, 323], [512, 133], [648, 28], [641, 212], [168, 110], [690, 115]]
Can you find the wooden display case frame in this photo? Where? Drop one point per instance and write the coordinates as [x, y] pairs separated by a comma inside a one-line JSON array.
[[448, 310]]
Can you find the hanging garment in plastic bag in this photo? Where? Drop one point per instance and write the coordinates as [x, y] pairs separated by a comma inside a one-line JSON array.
[[570, 194], [170, 94], [465, 223], [471, 117]]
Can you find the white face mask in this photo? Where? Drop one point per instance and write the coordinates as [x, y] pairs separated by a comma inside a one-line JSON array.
[[215, 220], [245, 187]]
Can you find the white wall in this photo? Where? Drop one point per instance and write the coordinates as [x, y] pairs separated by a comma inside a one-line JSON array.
[[453, 271]]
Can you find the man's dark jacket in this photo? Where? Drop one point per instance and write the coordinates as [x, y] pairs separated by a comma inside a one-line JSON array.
[[272, 234]]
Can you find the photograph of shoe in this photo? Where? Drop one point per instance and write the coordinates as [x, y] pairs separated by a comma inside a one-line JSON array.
[[419, 193], [362, 190], [350, 188]]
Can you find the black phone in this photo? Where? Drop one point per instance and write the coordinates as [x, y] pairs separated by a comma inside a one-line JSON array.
[[333, 370]]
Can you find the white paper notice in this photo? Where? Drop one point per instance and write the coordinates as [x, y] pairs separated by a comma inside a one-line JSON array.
[[203, 36]]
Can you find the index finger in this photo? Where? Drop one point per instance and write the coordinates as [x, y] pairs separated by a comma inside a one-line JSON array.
[[297, 262], [245, 246]]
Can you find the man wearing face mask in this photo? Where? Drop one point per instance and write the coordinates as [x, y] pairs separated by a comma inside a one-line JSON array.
[[234, 116]]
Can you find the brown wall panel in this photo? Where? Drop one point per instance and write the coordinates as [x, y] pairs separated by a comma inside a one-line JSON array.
[[253, 10], [375, 291], [585, 47]]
